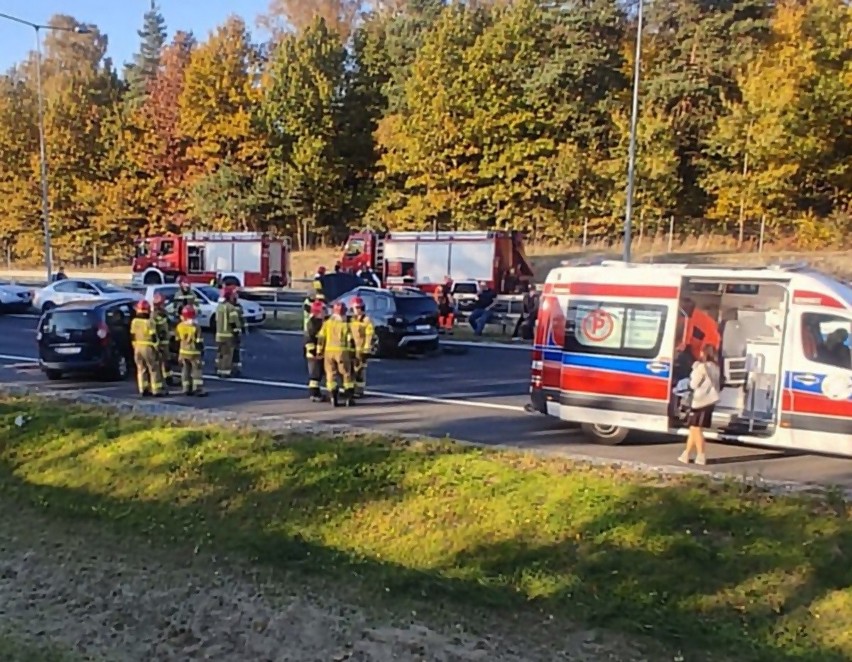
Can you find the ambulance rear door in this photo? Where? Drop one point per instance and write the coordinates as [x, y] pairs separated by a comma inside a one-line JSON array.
[[617, 359]]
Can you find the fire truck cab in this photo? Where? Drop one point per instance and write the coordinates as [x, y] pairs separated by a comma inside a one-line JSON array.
[[611, 352], [425, 259], [244, 259]]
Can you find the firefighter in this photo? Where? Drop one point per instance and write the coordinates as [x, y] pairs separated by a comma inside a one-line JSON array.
[[316, 295], [312, 355], [237, 361], [191, 353], [227, 325], [161, 321], [143, 334], [362, 340], [334, 344], [184, 297]]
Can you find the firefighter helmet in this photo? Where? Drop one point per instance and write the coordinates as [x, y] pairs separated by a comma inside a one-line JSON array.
[[188, 312], [225, 292], [317, 309], [143, 307], [339, 308], [358, 302], [159, 299]]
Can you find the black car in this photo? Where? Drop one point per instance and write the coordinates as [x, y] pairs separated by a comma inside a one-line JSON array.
[[405, 320], [87, 337]]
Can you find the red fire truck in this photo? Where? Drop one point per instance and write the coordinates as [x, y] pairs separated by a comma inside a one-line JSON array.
[[244, 259], [425, 259]]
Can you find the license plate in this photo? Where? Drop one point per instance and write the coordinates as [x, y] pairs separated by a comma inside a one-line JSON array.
[[423, 327], [67, 350]]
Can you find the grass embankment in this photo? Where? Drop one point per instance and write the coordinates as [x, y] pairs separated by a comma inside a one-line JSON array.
[[717, 571]]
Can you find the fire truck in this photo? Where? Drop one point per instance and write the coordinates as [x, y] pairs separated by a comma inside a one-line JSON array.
[[425, 259], [244, 259]]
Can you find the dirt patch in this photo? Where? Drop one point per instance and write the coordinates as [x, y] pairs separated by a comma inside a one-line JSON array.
[[94, 596]]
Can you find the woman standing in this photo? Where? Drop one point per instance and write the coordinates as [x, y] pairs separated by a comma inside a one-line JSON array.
[[704, 383]]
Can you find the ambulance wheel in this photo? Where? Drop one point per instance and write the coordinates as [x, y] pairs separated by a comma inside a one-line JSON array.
[[605, 435]]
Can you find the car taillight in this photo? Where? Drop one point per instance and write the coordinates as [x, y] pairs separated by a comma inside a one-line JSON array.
[[103, 332]]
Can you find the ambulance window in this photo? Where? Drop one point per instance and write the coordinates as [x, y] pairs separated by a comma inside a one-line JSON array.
[[826, 339], [616, 329]]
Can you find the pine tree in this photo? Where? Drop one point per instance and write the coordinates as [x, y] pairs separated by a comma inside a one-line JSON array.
[[146, 62]]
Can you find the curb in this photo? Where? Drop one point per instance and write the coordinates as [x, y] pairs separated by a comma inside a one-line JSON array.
[[286, 425], [451, 343]]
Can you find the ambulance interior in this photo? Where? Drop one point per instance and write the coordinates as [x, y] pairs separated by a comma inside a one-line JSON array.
[[750, 319]]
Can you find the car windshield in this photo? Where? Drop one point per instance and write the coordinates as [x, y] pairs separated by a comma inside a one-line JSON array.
[[464, 288], [211, 293], [65, 321], [415, 305]]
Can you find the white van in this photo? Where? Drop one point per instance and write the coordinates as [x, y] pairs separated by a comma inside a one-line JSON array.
[[605, 352]]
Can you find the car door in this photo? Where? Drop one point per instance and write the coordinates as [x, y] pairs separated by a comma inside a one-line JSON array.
[[118, 318], [817, 397], [86, 291], [62, 292]]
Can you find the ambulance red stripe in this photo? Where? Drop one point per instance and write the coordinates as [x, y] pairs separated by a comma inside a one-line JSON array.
[[809, 298], [799, 402], [603, 382]]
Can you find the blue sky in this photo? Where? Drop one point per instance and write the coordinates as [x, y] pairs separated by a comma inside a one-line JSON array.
[[119, 19]]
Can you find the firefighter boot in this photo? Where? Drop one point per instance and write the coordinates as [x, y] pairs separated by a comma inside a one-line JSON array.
[[315, 394], [349, 397], [334, 398]]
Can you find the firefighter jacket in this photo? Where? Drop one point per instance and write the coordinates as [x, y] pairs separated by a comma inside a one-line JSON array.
[[190, 339], [227, 320], [143, 332], [335, 337], [161, 321], [362, 333], [182, 299], [241, 320], [312, 330], [306, 307]]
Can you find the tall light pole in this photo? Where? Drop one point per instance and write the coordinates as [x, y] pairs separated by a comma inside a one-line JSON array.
[[45, 201], [631, 155]]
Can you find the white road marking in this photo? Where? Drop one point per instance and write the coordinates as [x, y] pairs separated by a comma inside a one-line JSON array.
[[404, 397]]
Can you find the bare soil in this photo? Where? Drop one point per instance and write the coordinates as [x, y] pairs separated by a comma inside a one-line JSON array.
[[88, 594]]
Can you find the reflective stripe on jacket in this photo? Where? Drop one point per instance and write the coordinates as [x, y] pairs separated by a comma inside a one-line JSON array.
[[362, 333], [334, 336], [143, 332], [190, 339]]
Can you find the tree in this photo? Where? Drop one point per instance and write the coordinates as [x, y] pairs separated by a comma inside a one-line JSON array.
[[302, 111], [285, 15], [146, 63], [218, 105]]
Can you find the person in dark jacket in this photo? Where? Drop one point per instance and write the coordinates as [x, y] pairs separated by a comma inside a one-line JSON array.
[[313, 356], [528, 314]]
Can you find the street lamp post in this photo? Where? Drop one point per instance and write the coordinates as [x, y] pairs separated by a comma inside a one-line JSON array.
[[631, 156], [45, 200]]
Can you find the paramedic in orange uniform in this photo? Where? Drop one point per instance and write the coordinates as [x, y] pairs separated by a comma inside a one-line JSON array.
[[701, 329]]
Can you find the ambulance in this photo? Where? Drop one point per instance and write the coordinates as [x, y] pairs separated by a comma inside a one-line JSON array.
[[611, 354]]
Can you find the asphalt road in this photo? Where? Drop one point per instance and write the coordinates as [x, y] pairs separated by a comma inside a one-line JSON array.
[[475, 394]]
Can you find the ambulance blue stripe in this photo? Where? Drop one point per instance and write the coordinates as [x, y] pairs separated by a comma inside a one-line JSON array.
[[620, 364]]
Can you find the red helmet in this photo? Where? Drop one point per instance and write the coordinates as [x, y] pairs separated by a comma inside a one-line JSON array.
[[358, 302], [321, 271], [183, 281], [143, 307], [339, 308], [317, 309], [159, 299], [188, 312], [225, 292]]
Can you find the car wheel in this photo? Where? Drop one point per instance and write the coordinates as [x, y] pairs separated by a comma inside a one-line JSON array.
[[152, 278], [47, 305], [53, 375], [605, 435]]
